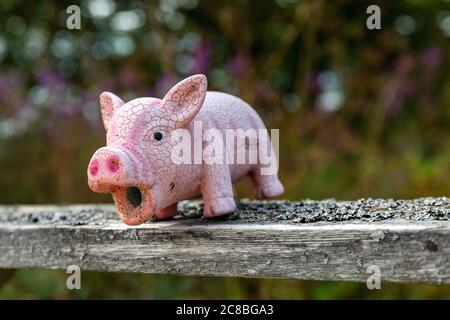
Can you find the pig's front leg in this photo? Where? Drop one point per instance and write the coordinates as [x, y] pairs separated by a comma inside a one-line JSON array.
[[217, 190], [166, 213]]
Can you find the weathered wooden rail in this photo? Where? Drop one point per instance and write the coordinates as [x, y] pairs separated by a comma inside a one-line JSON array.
[[323, 240]]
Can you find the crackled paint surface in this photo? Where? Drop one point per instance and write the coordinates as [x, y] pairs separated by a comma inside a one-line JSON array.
[[136, 166]]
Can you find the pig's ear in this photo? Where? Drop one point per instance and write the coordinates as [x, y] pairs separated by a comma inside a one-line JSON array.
[[185, 99], [108, 103]]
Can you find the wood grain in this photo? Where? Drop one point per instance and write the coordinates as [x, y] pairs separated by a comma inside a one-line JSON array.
[[91, 236]]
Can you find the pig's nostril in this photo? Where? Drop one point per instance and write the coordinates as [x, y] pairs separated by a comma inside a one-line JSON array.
[[93, 168], [134, 196], [113, 164]]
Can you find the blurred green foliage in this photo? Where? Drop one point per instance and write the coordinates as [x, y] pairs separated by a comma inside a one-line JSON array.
[[47, 284], [361, 112]]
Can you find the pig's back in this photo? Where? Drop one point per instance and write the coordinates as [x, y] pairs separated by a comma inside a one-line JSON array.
[[225, 111]]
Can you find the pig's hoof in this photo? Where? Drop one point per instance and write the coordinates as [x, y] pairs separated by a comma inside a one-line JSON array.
[[271, 189], [219, 207]]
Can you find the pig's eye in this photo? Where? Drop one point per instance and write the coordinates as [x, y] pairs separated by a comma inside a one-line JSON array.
[[158, 136]]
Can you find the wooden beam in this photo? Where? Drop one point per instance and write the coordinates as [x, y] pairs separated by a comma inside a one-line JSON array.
[[409, 241]]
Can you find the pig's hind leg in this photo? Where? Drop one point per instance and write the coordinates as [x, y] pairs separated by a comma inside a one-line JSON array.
[[264, 178], [265, 186]]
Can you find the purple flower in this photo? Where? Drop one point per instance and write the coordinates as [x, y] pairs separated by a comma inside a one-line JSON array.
[[50, 79], [237, 65], [128, 79], [10, 82], [404, 64], [202, 58], [165, 82], [263, 91], [394, 95], [313, 82], [432, 57], [107, 84]]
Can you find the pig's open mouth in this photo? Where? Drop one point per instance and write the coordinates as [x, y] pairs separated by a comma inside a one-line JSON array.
[[134, 204], [134, 196]]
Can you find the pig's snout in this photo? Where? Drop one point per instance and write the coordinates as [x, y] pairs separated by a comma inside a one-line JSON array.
[[115, 169], [111, 166], [108, 169]]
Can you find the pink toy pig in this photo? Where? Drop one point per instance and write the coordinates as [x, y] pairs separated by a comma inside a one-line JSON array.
[[140, 164]]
